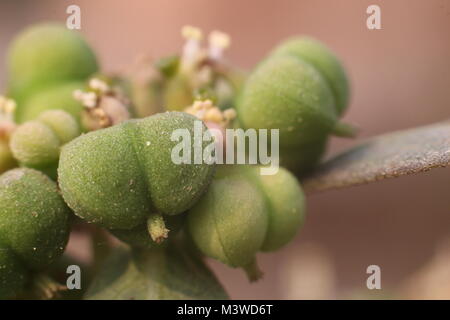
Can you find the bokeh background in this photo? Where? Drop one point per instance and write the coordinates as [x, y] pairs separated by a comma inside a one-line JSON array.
[[400, 78]]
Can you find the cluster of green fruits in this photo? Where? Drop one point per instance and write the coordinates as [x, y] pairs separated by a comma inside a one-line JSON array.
[[118, 173]]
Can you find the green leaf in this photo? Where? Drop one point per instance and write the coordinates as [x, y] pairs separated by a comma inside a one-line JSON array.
[[171, 272], [386, 156]]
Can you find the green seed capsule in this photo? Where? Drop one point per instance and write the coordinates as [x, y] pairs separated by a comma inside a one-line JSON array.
[[120, 177], [243, 213], [62, 123], [300, 89], [45, 55], [146, 96], [288, 94], [286, 204], [58, 97], [36, 144], [230, 222], [34, 226], [325, 61]]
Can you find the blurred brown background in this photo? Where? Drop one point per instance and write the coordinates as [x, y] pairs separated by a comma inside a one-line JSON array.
[[400, 78]]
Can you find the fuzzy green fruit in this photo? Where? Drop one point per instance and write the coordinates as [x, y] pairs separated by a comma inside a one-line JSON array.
[[36, 144], [286, 204], [324, 60], [302, 90], [34, 226], [288, 94], [47, 54], [58, 97], [120, 176], [243, 213], [229, 223], [146, 97]]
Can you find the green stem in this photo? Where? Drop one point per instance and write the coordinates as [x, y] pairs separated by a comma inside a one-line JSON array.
[[345, 130], [253, 271], [157, 228]]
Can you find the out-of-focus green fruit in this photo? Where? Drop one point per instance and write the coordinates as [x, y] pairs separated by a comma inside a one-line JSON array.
[[146, 97], [178, 93], [45, 55], [37, 143], [58, 97]]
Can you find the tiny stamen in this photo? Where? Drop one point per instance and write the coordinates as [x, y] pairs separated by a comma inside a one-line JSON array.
[[100, 85], [218, 42], [191, 33], [192, 51]]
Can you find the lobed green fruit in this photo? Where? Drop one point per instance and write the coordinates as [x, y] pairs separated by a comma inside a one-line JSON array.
[[288, 94], [168, 66], [324, 60], [244, 212], [230, 222], [300, 89], [45, 55], [57, 97], [286, 204], [37, 143], [119, 176], [228, 87], [34, 226]]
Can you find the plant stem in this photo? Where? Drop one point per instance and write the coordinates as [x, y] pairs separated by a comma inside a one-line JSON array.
[[253, 271]]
